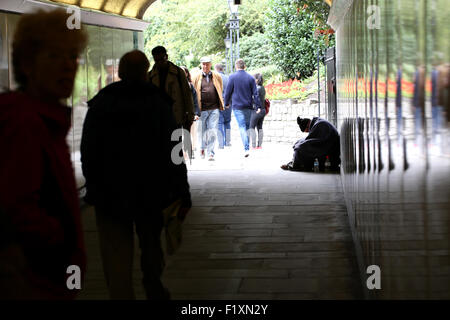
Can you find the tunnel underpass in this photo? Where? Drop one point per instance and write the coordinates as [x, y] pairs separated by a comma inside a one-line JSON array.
[[254, 232]]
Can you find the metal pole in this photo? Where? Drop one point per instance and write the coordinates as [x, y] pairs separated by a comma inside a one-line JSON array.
[[231, 50], [318, 78], [237, 44], [237, 34], [325, 87]]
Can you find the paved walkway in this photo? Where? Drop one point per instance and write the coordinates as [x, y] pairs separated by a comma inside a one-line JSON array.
[[254, 232]]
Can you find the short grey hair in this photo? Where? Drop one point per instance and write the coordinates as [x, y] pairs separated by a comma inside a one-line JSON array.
[[240, 64], [219, 67]]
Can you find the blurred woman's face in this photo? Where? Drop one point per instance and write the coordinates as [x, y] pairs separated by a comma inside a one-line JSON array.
[[52, 74]]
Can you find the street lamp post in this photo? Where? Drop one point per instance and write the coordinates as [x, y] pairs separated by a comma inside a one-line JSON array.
[[227, 51], [233, 36]]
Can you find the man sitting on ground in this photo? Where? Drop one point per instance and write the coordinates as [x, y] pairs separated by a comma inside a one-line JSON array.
[[322, 141]]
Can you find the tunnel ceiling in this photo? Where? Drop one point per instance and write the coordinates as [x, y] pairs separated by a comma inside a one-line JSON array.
[[127, 8]]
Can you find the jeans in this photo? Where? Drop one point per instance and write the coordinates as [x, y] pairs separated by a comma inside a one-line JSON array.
[[208, 131], [243, 120], [225, 128]]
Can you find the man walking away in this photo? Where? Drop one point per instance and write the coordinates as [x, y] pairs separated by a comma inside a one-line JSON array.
[[241, 92], [130, 178]]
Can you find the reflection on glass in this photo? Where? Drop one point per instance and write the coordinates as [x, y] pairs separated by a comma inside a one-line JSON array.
[[3, 54], [98, 67], [11, 23], [393, 103]]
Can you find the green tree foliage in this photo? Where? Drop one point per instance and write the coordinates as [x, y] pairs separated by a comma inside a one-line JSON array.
[[190, 29], [272, 32], [252, 15], [255, 50], [319, 9], [291, 32]]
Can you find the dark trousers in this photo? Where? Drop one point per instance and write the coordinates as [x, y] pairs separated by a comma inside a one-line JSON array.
[[256, 123], [116, 237]]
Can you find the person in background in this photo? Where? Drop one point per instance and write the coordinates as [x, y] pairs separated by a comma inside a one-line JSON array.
[[209, 87], [323, 140], [197, 112], [172, 80], [225, 115], [130, 175], [38, 192], [242, 94], [257, 117]]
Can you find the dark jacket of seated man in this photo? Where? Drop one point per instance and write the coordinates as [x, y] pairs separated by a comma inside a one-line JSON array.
[[322, 140]]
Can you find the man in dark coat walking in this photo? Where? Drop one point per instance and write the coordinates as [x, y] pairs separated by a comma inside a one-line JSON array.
[[130, 177], [322, 141]]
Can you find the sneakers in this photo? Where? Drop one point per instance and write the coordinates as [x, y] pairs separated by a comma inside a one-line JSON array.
[[246, 154], [202, 154], [211, 158]]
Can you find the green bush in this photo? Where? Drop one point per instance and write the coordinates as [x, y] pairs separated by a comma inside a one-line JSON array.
[[270, 73], [255, 50], [291, 33]]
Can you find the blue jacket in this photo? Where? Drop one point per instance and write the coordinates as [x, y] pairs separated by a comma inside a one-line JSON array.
[[241, 91], [224, 81]]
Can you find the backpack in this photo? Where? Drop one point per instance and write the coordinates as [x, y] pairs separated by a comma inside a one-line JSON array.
[[267, 105]]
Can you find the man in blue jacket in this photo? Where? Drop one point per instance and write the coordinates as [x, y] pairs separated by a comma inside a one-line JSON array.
[[242, 93]]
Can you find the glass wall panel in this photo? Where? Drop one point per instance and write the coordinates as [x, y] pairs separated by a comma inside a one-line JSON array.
[[98, 67], [393, 103], [122, 43], [11, 23], [87, 84], [102, 55], [107, 56], [4, 76]]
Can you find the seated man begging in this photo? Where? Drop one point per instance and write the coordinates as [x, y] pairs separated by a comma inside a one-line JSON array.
[[322, 141]]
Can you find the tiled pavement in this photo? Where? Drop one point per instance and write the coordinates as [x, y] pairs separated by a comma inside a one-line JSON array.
[[254, 232]]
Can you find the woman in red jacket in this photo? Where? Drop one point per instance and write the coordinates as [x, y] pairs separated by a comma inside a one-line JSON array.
[[37, 185]]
